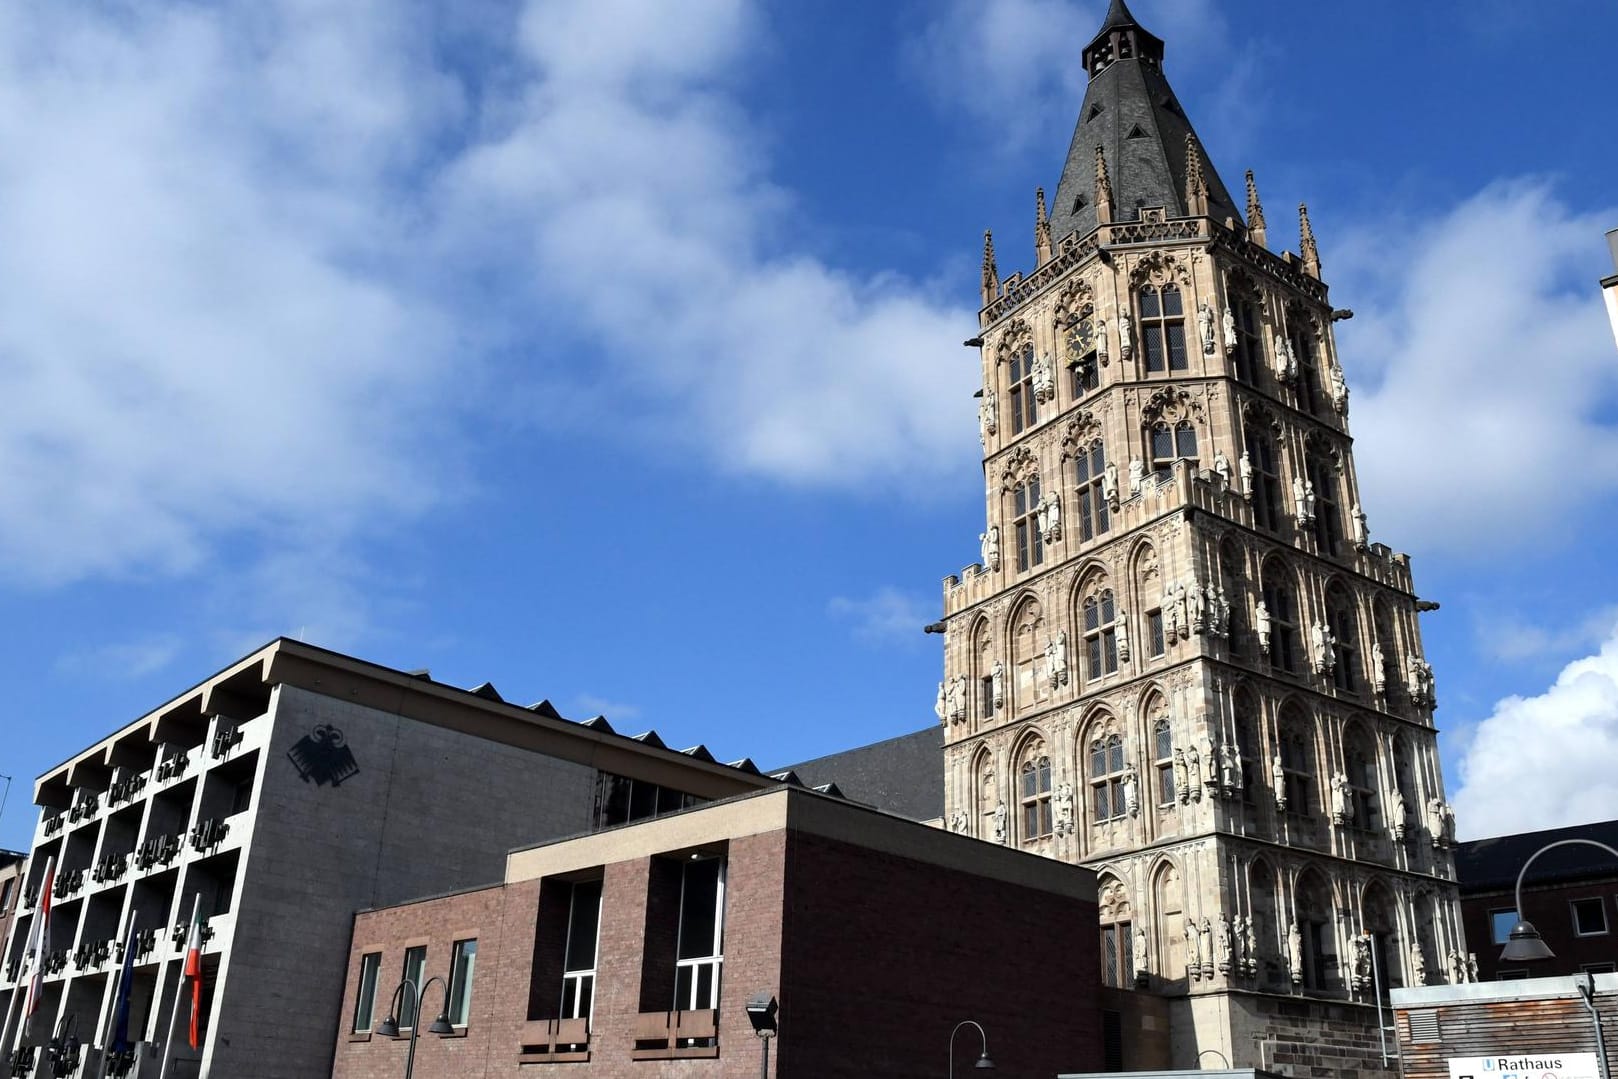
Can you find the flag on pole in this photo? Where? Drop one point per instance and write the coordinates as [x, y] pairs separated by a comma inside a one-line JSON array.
[[193, 970], [126, 983], [39, 935]]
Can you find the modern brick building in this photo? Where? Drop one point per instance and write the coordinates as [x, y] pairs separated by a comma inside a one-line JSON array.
[[286, 792], [1570, 895], [633, 952]]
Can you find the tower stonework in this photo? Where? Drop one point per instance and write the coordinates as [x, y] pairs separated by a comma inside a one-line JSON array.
[[1181, 660]]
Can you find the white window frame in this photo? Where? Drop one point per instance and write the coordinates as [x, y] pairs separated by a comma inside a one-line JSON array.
[[455, 952], [1494, 926], [715, 957], [365, 996], [1601, 905], [573, 981]]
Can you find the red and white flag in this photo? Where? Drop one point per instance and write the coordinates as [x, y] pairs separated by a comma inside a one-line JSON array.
[[39, 935], [193, 970]]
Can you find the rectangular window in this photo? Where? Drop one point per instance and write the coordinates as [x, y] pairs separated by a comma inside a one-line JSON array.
[[700, 955], [1117, 956], [415, 963], [1500, 923], [583, 938], [1156, 642], [1511, 975], [462, 966], [1597, 968], [365, 999], [1590, 917]]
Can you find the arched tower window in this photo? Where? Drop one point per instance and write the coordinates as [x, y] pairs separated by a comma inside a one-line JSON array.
[[1089, 467], [1099, 618], [1248, 356], [1107, 777], [1328, 526], [1298, 762], [1233, 579], [1247, 744], [1169, 444], [1267, 932], [1027, 650], [1163, 755], [1266, 480], [1034, 793], [1025, 511], [1162, 327], [1024, 406], [991, 690], [1345, 629], [1117, 938], [1380, 927], [1313, 913], [1169, 900], [1360, 763], [1302, 338], [1285, 644]]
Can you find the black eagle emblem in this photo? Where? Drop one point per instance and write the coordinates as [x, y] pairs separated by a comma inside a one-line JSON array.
[[323, 755]]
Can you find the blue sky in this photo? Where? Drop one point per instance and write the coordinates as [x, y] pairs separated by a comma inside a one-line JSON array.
[[611, 351]]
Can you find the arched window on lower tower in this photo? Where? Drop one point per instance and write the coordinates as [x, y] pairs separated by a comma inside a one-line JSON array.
[[1360, 761], [1266, 480], [1322, 474], [1024, 406], [1168, 896], [1099, 617], [1034, 794], [1025, 517], [1172, 443], [1345, 630], [1163, 755], [1315, 965], [1299, 777], [1387, 967], [1118, 958], [1162, 328], [1282, 612], [1264, 932], [1248, 744], [1090, 503], [1108, 800]]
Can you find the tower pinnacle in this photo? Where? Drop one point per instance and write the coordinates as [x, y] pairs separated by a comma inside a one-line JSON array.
[[991, 274], [1306, 243], [1255, 212], [1042, 229]]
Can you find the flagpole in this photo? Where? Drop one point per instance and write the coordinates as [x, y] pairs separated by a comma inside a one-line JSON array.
[[34, 949], [179, 987], [112, 1009]]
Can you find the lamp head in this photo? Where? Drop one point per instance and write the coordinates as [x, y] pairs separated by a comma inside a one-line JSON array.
[[388, 1028], [761, 1009], [984, 1063], [1524, 944], [441, 1025]]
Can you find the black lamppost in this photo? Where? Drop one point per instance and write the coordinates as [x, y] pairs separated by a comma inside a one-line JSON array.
[[389, 1027], [761, 1009], [984, 1063], [1524, 944]]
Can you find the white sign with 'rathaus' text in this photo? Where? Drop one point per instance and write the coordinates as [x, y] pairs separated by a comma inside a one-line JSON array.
[[1526, 1066]]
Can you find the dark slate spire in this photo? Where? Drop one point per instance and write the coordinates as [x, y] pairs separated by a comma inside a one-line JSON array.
[[1130, 114]]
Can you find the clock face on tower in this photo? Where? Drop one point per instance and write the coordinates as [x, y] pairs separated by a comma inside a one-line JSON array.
[[1081, 339]]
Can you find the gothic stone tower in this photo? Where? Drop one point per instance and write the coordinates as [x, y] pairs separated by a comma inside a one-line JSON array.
[[1181, 661]]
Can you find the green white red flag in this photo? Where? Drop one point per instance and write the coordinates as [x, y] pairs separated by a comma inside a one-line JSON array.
[[39, 938]]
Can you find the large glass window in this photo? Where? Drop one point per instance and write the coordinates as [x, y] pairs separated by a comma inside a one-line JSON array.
[[1117, 955], [1249, 354], [1328, 524], [579, 964], [1298, 768], [1590, 916], [365, 999], [462, 966], [702, 934], [1107, 777], [1089, 467], [1266, 482], [1345, 631], [1162, 327], [1169, 444], [1163, 761], [1030, 547], [1100, 635], [415, 962], [1036, 798], [1284, 640], [1024, 407], [1500, 925]]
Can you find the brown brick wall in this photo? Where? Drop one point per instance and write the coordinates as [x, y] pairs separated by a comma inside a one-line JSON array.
[[885, 955], [1550, 908]]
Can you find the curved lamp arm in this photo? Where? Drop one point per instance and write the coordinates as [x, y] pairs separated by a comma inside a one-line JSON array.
[[1523, 872], [983, 1058], [1524, 938]]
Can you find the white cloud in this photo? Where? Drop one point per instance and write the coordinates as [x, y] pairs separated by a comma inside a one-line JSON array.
[[887, 616], [1545, 761], [256, 254], [1516, 639], [1483, 373]]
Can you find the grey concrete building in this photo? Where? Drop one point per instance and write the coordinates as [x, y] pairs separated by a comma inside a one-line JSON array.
[[284, 793]]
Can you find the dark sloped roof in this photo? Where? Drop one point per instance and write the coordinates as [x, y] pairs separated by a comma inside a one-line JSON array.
[[1487, 864], [1130, 111], [903, 775]]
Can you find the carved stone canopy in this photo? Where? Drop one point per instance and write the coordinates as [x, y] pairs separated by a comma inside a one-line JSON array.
[[1170, 403], [1020, 466], [1083, 429], [1076, 300], [1160, 268], [1016, 337], [1256, 414]]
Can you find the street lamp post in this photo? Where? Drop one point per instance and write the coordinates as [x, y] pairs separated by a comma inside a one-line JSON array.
[[1524, 944], [984, 1063], [389, 1027]]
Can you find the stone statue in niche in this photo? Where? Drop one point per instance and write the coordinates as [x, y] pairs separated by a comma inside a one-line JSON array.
[[1295, 953], [1321, 648], [1471, 966], [1109, 483], [1341, 800], [1000, 822], [1222, 466], [1205, 947], [1193, 956], [1101, 341], [997, 684], [1261, 622], [941, 706], [1362, 531], [1193, 769], [1230, 768], [1419, 679], [1338, 386], [1362, 962], [1064, 809], [1222, 944], [1131, 785], [1379, 667], [1418, 964], [1049, 515], [957, 821], [1286, 364], [957, 698], [1182, 776], [1126, 335], [1205, 327], [1228, 324], [1044, 377], [1399, 816], [1278, 783], [1171, 617], [1457, 967], [1056, 659], [989, 547], [1198, 607], [1137, 475], [1182, 612], [1221, 611], [987, 420], [1299, 506], [1245, 467], [1123, 634], [1142, 967], [1210, 761], [1249, 937], [1308, 501]]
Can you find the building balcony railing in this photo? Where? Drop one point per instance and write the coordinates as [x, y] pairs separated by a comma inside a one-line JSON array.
[[145, 943], [209, 833], [85, 806], [68, 882], [160, 850], [53, 823], [126, 789], [547, 1041], [56, 962], [676, 1035], [172, 767], [110, 868], [225, 739]]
